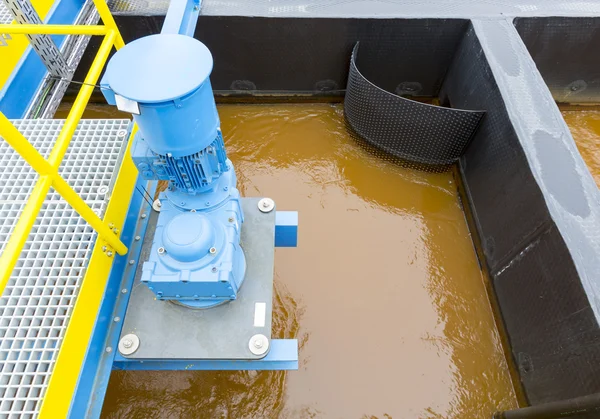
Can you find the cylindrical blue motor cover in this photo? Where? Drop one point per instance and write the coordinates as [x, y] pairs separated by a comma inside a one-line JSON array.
[[180, 127], [167, 75]]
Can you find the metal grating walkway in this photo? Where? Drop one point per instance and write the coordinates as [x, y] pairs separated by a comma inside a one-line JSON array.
[[37, 302], [5, 16]]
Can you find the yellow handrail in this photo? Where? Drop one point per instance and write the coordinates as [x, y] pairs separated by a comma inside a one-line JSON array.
[[53, 29], [108, 20], [87, 88], [48, 169]]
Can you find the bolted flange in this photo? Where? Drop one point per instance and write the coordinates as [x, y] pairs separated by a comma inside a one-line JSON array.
[[129, 344], [266, 205], [259, 344]]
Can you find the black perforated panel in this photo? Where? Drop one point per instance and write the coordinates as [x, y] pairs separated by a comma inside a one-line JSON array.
[[414, 131]]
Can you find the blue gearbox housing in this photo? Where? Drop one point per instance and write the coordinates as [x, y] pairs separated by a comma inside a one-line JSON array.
[[196, 258]]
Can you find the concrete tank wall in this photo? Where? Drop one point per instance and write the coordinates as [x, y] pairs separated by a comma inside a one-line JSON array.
[[534, 205], [549, 319], [565, 50]]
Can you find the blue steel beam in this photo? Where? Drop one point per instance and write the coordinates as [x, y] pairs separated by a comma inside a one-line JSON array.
[[283, 355], [286, 229], [95, 373], [182, 17]]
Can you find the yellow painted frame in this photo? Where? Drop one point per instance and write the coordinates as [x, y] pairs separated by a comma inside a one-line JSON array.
[[63, 380], [48, 171], [65, 375]]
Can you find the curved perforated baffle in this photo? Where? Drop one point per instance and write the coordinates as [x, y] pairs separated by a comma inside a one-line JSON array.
[[413, 131]]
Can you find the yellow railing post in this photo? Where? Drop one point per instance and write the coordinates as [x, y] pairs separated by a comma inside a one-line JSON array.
[[64, 137], [79, 205], [109, 21]]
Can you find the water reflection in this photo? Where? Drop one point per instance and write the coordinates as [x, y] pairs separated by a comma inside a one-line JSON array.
[[384, 291], [585, 127]]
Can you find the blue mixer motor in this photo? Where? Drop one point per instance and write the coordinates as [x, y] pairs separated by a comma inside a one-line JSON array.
[[163, 80]]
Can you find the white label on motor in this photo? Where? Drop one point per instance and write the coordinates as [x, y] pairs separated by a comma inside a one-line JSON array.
[[127, 105], [260, 312]]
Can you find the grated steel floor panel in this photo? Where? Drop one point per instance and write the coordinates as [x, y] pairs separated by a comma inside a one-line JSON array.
[[5, 16], [38, 300]]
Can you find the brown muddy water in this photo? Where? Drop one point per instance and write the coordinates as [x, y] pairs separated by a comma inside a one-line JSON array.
[[585, 128], [384, 292]]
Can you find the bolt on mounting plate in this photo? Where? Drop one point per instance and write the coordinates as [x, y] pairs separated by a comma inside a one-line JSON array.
[[129, 344], [259, 344], [266, 205]]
